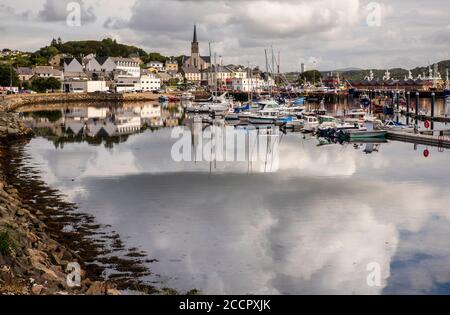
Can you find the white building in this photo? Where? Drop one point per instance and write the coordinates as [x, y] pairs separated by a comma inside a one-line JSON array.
[[222, 74], [251, 84], [84, 86], [73, 65], [158, 66], [127, 84], [150, 82], [128, 65], [114, 64]]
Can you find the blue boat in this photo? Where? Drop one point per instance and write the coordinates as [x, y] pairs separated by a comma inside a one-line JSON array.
[[284, 120], [163, 99], [447, 93], [299, 101], [244, 108]]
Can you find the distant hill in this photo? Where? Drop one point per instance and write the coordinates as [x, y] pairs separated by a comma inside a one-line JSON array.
[[343, 70]]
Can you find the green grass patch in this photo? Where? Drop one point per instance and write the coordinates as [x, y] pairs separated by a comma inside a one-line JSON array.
[[6, 243]]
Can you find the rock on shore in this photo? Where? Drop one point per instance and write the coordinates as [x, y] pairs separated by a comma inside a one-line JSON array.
[[11, 126]]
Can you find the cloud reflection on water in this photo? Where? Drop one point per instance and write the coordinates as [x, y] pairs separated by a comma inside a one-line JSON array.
[[312, 227]]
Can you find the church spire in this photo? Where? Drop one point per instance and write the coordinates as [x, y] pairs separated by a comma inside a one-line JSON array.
[[195, 34]]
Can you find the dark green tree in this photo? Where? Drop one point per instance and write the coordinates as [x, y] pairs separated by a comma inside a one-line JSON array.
[[53, 84], [43, 85], [7, 72], [311, 76]]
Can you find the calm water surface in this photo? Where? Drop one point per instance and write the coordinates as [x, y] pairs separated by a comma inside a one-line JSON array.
[[312, 225]]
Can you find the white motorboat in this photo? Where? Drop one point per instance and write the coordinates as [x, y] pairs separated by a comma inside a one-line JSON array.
[[264, 116], [310, 123]]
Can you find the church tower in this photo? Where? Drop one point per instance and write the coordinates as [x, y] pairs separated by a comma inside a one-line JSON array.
[[195, 53]]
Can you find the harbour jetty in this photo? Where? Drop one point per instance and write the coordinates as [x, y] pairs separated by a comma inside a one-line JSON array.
[[424, 139]]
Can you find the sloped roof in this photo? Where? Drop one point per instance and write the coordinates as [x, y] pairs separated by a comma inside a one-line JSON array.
[[67, 61], [190, 70], [25, 71]]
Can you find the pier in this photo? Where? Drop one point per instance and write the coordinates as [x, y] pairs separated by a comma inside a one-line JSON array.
[[441, 141]]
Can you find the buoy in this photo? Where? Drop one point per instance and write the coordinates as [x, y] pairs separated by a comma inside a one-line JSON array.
[[426, 153]]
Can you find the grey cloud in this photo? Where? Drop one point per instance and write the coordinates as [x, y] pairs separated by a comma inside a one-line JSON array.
[[56, 11], [115, 23]]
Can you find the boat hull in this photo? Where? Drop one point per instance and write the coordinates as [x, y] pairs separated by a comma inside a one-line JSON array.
[[261, 120], [367, 134]]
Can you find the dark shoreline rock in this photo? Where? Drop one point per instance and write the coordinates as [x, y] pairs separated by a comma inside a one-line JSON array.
[[11, 127]]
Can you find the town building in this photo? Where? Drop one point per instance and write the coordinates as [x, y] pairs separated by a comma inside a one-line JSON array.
[[171, 65], [150, 82], [126, 64], [56, 60], [136, 58], [191, 74], [113, 64], [155, 66], [125, 84], [73, 65], [25, 73], [196, 60], [253, 84], [47, 72], [84, 86]]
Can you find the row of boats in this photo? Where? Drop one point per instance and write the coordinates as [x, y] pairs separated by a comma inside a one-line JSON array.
[[291, 114]]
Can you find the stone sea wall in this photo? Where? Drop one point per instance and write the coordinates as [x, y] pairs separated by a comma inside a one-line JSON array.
[[13, 102]]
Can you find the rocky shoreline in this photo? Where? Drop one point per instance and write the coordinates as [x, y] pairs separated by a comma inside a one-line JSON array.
[[35, 247], [31, 260]]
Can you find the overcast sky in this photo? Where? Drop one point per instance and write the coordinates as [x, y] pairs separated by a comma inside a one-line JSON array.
[[330, 34]]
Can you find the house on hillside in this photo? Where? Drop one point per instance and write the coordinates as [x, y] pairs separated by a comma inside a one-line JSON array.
[[171, 65], [156, 66], [47, 72], [25, 73]]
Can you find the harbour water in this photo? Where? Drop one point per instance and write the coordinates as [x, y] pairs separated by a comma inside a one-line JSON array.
[[317, 223]]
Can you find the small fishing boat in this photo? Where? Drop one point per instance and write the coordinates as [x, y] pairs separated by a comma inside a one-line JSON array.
[[366, 134], [311, 123], [264, 116], [359, 134]]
